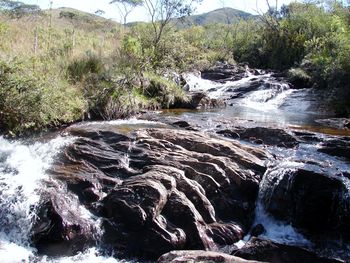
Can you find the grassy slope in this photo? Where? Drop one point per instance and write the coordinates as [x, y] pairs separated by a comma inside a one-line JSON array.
[[90, 32], [37, 90]]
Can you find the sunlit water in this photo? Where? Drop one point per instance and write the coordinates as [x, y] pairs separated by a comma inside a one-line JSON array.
[[23, 165], [271, 101], [22, 170]]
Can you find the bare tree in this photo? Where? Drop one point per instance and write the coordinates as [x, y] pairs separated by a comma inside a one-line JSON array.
[[126, 6], [162, 12]]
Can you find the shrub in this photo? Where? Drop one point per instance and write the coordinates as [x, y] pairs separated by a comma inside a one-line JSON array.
[[165, 91], [82, 67], [30, 102]]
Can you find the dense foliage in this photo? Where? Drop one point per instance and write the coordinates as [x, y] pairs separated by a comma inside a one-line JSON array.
[[67, 65]]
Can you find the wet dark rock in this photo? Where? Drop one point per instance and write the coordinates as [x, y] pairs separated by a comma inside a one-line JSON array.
[[347, 124], [257, 230], [182, 124], [315, 203], [200, 256], [177, 189], [262, 135], [269, 251], [200, 100], [224, 72], [249, 87], [59, 229], [307, 136], [229, 133], [339, 123], [339, 147]]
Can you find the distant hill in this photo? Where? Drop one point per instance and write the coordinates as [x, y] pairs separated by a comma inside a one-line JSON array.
[[81, 20], [65, 18], [221, 16]]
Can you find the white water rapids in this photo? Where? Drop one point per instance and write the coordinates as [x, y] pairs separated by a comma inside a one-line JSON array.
[[22, 168], [269, 95]]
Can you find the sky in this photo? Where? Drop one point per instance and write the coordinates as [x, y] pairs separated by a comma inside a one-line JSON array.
[[140, 14]]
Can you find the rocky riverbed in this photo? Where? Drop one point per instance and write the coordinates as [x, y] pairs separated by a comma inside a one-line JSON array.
[[193, 185]]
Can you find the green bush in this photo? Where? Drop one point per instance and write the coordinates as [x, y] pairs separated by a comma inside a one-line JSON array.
[[165, 91], [82, 67], [30, 102]]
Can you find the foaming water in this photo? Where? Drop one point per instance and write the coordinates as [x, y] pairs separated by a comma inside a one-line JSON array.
[[92, 255], [214, 89], [196, 83], [22, 167], [22, 171], [277, 230], [268, 99]]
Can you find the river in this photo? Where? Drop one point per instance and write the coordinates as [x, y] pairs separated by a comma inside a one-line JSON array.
[[24, 164]]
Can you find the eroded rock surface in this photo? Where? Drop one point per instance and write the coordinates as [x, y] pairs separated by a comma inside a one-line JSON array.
[[269, 251], [159, 190], [61, 229], [262, 135], [316, 203], [200, 256]]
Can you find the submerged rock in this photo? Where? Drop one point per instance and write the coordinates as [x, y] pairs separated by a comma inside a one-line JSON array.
[[200, 256], [163, 189], [269, 251]]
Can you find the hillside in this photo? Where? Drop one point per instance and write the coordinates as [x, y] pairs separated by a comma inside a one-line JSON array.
[[65, 18], [221, 16]]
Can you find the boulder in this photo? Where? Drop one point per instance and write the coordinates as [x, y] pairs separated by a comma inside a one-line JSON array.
[[200, 256], [162, 189], [181, 124], [269, 251], [317, 204]]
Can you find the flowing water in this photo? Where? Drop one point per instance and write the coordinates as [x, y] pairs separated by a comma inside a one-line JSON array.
[[23, 164]]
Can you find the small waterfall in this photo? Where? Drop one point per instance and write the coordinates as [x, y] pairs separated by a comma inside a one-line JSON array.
[[276, 230], [196, 83], [22, 167], [214, 89], [270, 96], [22, 171]]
